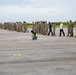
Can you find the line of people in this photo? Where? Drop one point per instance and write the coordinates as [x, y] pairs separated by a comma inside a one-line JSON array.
[[14, 26], [40, 27], [70, 29]]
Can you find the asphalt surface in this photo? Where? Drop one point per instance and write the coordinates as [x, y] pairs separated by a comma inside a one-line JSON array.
[[48, 55]]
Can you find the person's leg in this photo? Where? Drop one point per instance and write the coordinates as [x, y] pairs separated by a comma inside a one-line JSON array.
[[71, 34], [34, 38], [60, 33], [51, 32], [48, 33], [63, 32], [68, 32]]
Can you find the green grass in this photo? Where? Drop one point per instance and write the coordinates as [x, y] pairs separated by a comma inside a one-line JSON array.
[[29, 25], [64, 23], [58, 24]]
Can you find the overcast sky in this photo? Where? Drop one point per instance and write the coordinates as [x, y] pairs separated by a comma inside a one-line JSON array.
[[37, 10]]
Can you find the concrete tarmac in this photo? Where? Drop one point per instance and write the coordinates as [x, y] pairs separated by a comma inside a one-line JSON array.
[[48, 55]]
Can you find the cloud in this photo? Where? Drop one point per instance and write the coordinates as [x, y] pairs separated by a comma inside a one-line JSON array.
[[29, 10]]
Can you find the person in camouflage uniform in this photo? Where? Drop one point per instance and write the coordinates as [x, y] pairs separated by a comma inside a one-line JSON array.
[[45, 28], [71, 28], [4, 25], [24, 26], [18, 26], [68, 29], [15, 26], [40, 27], [0, 25], [33, 25]]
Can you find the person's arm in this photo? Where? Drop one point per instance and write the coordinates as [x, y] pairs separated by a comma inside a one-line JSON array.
[[62, 26]]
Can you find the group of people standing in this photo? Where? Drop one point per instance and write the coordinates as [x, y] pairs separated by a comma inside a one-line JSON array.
[[14, 26], [70, 29], [41, 27]]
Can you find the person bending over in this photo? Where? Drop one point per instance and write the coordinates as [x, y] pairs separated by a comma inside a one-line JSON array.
[[34, 35]]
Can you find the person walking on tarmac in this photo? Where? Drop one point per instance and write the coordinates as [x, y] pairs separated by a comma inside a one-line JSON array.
[[50, 29], [61, 29], [71, 28], [53, 28]]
